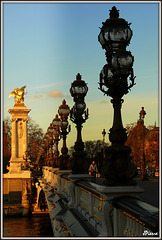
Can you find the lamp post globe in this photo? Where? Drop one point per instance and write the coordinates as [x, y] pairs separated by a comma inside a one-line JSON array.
[[115, 33], [114, 37]]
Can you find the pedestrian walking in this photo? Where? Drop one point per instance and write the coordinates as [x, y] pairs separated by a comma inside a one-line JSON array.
[[93, 170]]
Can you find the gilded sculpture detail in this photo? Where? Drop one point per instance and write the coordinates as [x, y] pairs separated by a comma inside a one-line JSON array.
[[18, 94]]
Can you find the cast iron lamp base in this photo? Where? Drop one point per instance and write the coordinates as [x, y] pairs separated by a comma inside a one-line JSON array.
[[118, 170]]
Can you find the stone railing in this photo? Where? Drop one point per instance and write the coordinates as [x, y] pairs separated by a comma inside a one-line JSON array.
[[137, 217], [81, 208]]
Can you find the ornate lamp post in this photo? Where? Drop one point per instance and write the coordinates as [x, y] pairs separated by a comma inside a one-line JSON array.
[[44, 146], [103, 133], [47, 144], [50, 132], [142, 115], [42, 157], [114, 37], [56, 126], [64, 111], [78, 91]]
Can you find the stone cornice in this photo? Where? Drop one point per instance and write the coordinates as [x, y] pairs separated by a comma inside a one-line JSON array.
[[19, 111], [19, 108]]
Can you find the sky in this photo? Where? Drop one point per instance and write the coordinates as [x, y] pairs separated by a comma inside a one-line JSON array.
[[45, 45]]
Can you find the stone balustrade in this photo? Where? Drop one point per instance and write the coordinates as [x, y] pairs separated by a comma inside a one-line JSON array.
[[81, 208]]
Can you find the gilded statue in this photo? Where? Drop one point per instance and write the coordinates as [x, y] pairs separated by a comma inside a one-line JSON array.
[[18, 94]]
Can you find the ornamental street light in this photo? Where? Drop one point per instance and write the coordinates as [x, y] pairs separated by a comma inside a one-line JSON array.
[[78, 115], [114, 37], [43, 153], [50, 132], [103, 133], [142, 116], [47, 145], [64, 111], [56, 126]]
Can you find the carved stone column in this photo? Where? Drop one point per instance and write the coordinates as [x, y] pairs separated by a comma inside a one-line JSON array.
[[19, 118]]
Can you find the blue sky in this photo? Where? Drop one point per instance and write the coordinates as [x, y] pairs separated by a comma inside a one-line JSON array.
[[46, 44]]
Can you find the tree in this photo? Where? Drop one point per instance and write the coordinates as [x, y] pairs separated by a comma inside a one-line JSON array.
[[143, 140], [135, 141], [94, 151], [35, 136], [152, 147]]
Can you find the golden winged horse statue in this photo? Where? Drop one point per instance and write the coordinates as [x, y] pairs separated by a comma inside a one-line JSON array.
[[18, 94]]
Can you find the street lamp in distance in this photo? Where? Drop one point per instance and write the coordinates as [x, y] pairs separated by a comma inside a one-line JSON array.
[[56, 126], [144, 173], [103, 133], [64, 111]]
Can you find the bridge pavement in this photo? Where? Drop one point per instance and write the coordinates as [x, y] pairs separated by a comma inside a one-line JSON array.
[[151, 190]]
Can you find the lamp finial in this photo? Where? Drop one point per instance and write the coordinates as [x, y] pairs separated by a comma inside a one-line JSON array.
[[114, 13]]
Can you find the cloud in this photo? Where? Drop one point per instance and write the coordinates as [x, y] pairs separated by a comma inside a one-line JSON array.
[[45, 94], [38, 96], [104, 101], [60, 83], [55, 94]]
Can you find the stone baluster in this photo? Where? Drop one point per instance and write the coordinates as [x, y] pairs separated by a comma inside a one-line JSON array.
[[141, 231], [133, 228], [129, 227], [91, 204], [116, 222], [126, 228], [107, 228], [72, 194]]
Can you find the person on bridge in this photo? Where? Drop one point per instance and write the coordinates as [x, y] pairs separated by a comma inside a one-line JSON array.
[[93, 170]]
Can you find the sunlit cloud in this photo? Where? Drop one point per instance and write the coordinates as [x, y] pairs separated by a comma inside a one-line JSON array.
[[55, 93], [104, 101], [46, 94], [38, 96], [60, 83]]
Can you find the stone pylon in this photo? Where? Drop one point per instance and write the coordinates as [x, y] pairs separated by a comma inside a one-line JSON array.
[[19, 118], [17, 182]]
